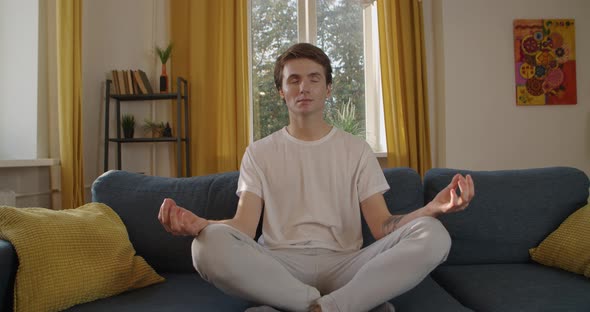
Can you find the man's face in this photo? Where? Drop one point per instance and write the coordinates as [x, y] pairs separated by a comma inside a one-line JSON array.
[[304, 87]]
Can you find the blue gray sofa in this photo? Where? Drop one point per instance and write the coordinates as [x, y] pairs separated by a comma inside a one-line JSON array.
[[488, 269]]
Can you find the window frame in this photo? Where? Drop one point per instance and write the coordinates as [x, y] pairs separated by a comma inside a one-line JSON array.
[[307, 32]]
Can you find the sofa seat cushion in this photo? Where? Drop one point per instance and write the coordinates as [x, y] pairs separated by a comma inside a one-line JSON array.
[[180, 292], [427, 296], [515, 287], [188, 292]]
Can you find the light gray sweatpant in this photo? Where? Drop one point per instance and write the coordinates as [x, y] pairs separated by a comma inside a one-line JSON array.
[[294, 278]]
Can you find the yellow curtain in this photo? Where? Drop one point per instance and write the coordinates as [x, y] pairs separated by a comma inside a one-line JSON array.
[[69, 96], [403, 75], [211, 51]]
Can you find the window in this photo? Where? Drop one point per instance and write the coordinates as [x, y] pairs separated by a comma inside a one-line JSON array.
[[347, 31], [19, 60]]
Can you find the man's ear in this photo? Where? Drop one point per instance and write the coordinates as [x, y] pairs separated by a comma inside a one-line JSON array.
[[329, 93], [281, 94]]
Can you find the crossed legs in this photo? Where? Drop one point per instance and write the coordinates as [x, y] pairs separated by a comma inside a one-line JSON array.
[[385, 269], [293, 280], [238, 266]]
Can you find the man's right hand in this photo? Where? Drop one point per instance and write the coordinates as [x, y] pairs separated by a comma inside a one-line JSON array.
[[179, 221]]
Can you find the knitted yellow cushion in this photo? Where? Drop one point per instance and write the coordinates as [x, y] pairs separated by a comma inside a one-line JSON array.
[[71, 256], [568, 247]]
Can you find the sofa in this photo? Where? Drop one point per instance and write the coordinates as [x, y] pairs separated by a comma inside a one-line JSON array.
[[488, 268]]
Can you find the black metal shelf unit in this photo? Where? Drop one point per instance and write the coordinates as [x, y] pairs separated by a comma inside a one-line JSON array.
[[181, 96]]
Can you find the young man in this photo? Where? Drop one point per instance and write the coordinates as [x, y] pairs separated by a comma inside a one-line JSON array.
[[314, 181]]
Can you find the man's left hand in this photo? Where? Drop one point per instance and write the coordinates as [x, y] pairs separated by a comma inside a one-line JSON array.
[[448, 201]]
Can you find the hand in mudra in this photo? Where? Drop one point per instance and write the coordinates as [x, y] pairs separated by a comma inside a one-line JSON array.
[[178, 220], [448, 201]]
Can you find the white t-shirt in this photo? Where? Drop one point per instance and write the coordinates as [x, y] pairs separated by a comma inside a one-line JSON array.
[[311, 189]]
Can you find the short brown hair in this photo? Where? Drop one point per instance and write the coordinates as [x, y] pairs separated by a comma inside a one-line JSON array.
[[302, 50]]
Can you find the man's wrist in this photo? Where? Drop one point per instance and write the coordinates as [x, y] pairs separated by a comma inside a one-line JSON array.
[[431, 211], [197, 232]]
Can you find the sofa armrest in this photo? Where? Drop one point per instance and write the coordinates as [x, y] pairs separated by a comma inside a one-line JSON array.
[[8, 266]]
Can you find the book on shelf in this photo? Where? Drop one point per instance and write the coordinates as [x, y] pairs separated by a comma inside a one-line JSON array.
[[125, 82], [146, 82], [130, 82], [122, 88], [135, 83], [139, 82], [115, 80]]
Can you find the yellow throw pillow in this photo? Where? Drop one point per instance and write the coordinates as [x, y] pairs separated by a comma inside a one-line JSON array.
[[71, 256], [568, 247]]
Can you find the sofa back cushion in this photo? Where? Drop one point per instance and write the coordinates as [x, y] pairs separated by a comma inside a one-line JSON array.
[[512, 211], [137, 199], [405, 195]]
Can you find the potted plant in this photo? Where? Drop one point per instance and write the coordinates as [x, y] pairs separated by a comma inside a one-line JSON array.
[[155, 128], [128, 125], [164, 56], [345, 118]]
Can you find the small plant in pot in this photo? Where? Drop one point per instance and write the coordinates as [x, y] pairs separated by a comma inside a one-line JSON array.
[[128, 125], [155, 128], [164, 55]]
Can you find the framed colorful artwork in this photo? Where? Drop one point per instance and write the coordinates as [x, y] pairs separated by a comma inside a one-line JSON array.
[[545, 61]]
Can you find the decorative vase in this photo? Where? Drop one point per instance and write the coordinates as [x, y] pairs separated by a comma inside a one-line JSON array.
[[163, 80], [167, 131], [128, 133]]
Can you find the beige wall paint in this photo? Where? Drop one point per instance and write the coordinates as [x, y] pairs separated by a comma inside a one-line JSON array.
[[31, 185], [122, 35], [116, 35], [476, 123]]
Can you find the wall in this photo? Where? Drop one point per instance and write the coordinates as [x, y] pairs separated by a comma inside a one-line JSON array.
[[122, 35], [477, 123], [116, 35], [29, 180]]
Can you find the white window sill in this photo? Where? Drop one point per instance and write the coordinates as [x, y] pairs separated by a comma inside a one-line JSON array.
[[377, 154], [15, 163]]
